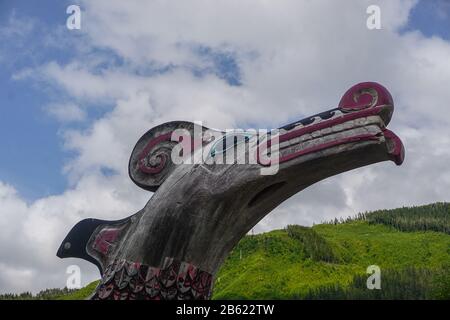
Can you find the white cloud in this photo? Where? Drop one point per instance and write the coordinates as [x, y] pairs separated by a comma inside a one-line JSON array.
[[31, 233], [68, 112], [296, 58], [16, 26]]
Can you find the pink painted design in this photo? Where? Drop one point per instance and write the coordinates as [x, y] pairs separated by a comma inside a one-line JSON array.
[[362, 100], [124, 280], [363, 137], [105, 239], [365, 95], [395, 146], [322, 125], [329, 123], [161, 157]]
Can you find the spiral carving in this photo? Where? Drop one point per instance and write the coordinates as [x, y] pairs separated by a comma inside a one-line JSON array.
[[366, 91], [151, 160], [359, 98], [365, 95], [155, 156]]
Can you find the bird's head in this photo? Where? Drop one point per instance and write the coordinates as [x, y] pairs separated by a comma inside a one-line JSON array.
[[217, 168]]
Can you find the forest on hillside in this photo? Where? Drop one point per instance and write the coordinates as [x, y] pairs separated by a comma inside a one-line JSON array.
[[432, 217]]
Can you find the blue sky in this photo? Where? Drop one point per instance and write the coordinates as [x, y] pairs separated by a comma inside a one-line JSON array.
[[32, 156], [432, 18]]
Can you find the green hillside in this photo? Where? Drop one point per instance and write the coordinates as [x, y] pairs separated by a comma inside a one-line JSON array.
[[329, 261], [276, 265], [410, 245]]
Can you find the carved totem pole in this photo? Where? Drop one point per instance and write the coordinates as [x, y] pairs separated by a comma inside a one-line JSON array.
[[174, 246]]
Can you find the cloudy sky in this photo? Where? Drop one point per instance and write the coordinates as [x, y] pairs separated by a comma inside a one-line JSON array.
[[74, 102]]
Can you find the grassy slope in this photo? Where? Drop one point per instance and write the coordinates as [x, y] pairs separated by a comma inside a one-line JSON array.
[[273, 265], [81, 294]]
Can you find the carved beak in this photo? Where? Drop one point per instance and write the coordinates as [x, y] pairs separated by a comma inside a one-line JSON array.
[[344, 138], [362, 117]]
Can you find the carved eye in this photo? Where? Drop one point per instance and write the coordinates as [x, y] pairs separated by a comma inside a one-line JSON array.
[[229, 141]]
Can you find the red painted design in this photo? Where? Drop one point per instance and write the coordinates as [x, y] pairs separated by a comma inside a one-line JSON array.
[[321, 125], [329, 123], [125, 280], [396, 147], [163, 157], [363, 137], [105, 239], [362, 100], [365, 95]]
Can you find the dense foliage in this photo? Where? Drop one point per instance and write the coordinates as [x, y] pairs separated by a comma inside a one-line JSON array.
[[47, 294], [314, 246], [432, 217], [408, 283]]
